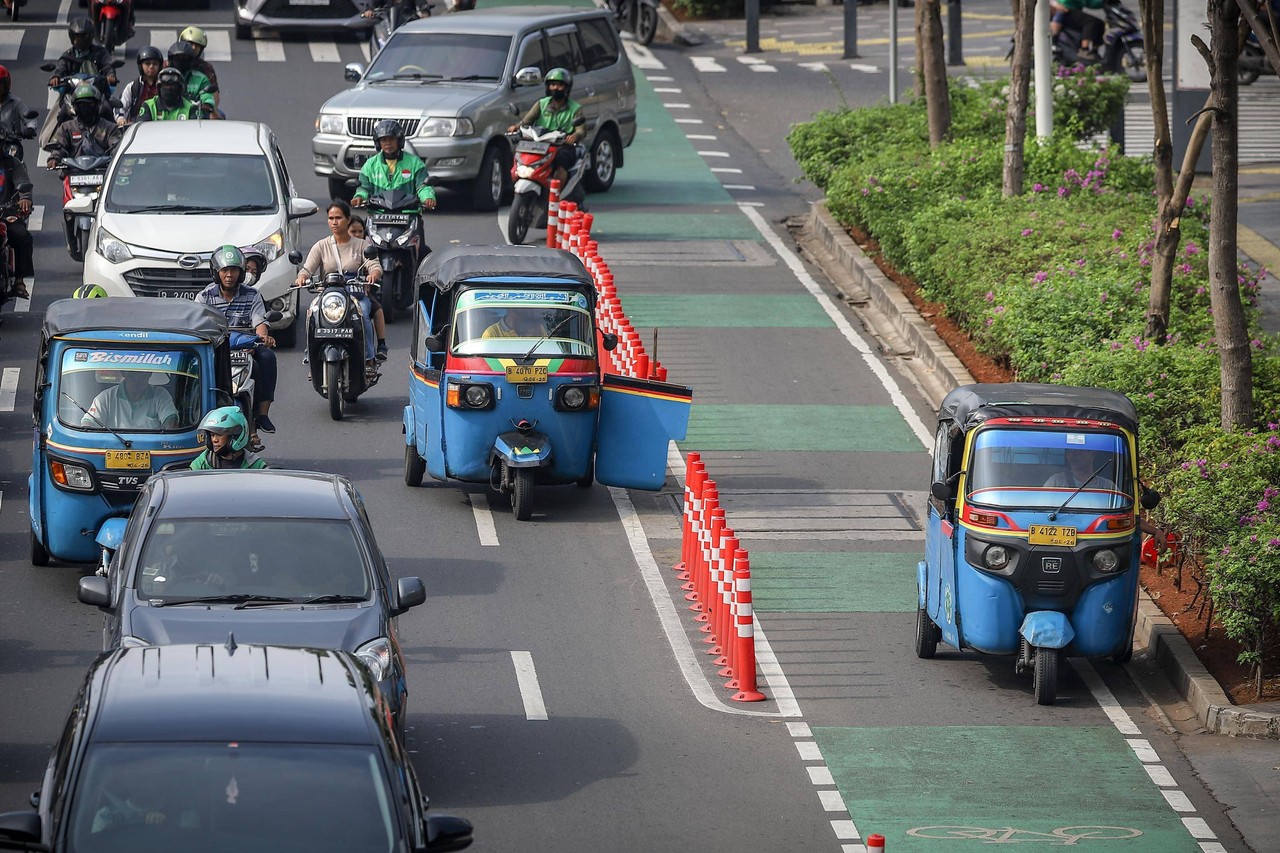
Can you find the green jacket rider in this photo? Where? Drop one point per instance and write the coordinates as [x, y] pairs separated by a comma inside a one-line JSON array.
[[393, 168], [170, 104], [226, 436], [557, 111]]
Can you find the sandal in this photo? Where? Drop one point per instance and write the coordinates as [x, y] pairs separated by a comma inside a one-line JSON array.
[[20, 291]]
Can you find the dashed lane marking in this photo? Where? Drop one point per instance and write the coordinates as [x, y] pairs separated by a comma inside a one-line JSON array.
[[9, 388], [741, 187], [714, 153], [55, 45], [710, 137], [669, 90], [866, 69], [484, 519], [688, 121], [530, 692], [35, 222], [22, 306], [706, 64], [10, 42], [726, 170], [673, 106], [643, 58], [219, 49], [324, 51], [269, 51]]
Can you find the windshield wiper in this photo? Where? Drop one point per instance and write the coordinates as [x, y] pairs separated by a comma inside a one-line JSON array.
[[239, 599], [1054, 515], [235, 208], [467, 77], [126, 442], [543, 339], [333, 599], [160, 208]]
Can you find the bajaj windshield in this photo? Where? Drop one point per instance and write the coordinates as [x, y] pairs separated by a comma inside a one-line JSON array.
[[1042, 469], [539, 323], [129, 390]]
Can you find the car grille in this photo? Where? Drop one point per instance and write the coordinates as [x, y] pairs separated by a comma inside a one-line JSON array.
[[331, 9], [168, 281], [359, 126]]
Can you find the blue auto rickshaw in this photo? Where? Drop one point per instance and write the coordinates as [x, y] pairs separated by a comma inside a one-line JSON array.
[[506, 387], [1033, 539], [120, 386]]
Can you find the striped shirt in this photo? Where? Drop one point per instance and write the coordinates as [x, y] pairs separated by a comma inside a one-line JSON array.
[[246, 309]]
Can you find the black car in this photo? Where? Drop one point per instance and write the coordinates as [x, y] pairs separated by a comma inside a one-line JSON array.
[[224, 747], [278, 557]]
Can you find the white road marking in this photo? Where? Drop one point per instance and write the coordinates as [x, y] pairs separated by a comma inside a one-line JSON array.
[[844, 829], [668, 90], [1178, 801], [714, 153], [688, 121], [269, 51], [808, 750], [324, 51], [745, 187], [832, 801], [530, 692], [1208, 846], [364, 48], [56, 44], [654, 78], [10, 43], [676, 106], [820, 775], [708, 136], [163, 38], [484, 518], [865, 69], [64, 9], [219, 48], [20, 305], [9, 388], [726, 170], [35, 222], [1102, 694], [1160, 775], [1142, 748], [814, 66], [755, 64], [799, 730], [706, 64], [643, 58]]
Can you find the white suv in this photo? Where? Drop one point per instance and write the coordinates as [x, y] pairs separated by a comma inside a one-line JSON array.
[[175, 192]]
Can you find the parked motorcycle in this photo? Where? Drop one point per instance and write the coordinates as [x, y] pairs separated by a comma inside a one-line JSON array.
[[8, 259], [394, 227], [336, 342], [1122, 50], [111, 21], [82, 178], [62, 111], [11, 144], [639, 17], [531, 172]]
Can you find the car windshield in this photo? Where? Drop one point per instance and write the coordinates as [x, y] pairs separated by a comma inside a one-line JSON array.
[[415, 57], [129, 390], [511, 322], [191, 183], [1041, 468], [231, 796], [291, 558]]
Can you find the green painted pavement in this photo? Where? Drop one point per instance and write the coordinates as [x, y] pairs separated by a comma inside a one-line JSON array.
[[819, 582], [725, 310], [614, 225], [897, 781], [777, 427]]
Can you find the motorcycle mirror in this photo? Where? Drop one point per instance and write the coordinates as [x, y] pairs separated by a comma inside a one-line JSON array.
[[25, 187], [28, 133], [30, 114], [117, 63], [295, 257], [274, 317], [609, 341], [115, 103], [223, 398], [370, 252], [352, 72], [48, 66]]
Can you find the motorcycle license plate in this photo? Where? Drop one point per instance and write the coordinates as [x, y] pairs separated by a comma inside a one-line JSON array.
[[133, 460], [335, 333], [86, 180], [241, 356], [176, 294], [308, 2], [526, 373], [1051, 534], [533, 147]]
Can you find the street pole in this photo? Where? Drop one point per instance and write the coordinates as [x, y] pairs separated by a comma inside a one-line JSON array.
[[1044, 72], [953, 33], [753, 26], [893, 50], [850, 30]]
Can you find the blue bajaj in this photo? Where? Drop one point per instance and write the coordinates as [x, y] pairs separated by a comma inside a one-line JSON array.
[[506, 386], [1033, 538], [121, 385]]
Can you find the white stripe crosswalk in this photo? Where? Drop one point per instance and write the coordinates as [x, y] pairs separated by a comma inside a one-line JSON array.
[[10, 41], [269, 51], [324, 51]]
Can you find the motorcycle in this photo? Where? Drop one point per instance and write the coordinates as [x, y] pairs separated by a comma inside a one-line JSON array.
[[62, 110], [531, 171], [389, 18], [244, 372], [14, 8], [1253, 61], [336, 341], [639, 17], [394, 228], [82, 178], [11, 144], [1122, 50], [111, 21], [8, 259]]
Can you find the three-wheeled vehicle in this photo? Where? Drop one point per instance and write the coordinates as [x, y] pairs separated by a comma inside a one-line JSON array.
[[1033, 539], [506, 387], [120, 386]]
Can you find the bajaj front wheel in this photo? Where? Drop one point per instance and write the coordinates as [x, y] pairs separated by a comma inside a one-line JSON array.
[[1046, 676], [523, 209], [522, 493]]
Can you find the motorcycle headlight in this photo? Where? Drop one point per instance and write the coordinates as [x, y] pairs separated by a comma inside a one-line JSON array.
[[333, 307], [404, 238], [1105, 560], [330, 123], [523, 171], [444, 126], [996, 557], [272, 246], [71, 476], [376, 656], [113, 248]]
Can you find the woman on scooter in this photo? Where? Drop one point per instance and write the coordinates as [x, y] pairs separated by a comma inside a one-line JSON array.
[[13, 175], [557, 112]]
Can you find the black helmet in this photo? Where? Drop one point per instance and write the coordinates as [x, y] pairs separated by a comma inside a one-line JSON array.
[[558, 75], [80, 26], [181, 55], [388, 127], [150, 53], [170, 81], [227, 256], [253, 253]]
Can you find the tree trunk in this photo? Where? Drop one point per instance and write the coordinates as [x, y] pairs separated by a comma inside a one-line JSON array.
[[1230, 330], [1015, 117], [933, 69]]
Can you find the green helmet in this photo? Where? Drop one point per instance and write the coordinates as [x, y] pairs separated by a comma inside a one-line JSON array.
[[228, 420], [85, 92], [559, 75], [194, 35], [89, 291], [227, 256]]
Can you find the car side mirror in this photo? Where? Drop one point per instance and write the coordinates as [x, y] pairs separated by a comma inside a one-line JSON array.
[[609, 341], [1150, 498], [352, 72], [300, 207], [95, 590], [25, 827], [81, 205], [295, 257], [941, 490], [530, 76], [446, 832], [370, 252], [409, 593]]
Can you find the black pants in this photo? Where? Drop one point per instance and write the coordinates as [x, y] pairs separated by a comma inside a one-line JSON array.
[[20, 240]]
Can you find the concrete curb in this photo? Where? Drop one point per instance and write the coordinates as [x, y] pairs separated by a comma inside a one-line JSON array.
[[905, 333]]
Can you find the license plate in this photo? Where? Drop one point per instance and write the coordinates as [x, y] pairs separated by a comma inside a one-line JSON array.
[[533, 147], [176, 294], [334, 333], [132, 460], [522, 373], [308, 2], [241, 356], [86, 180], [1049, 534]]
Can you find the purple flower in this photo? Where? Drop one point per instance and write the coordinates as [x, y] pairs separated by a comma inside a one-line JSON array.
[[1063, 192], [1192, 248], [1102, 297], [1038, 188], [991, 296], [1117, 234], [1140, 343], [1040, 276], [1263, 506], [1027, 232]]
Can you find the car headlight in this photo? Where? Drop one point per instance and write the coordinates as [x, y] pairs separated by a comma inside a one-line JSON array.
[[128, 642], [71, 476], [376, 656], [333, 307], [112, 247], [1105, 560], [330, 123], [272, 246], [996, 557], [443, 126]]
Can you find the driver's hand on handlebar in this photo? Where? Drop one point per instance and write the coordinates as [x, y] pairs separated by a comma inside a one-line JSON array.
[[54, 82], [429, 204], [53, 163], [24, 206], [357, 201], [515, 128], [267, 341]]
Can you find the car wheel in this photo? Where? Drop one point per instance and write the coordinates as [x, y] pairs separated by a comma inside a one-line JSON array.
[[339, 188], [414, 467], [490, 185], [604, 162], [244, 32], [39, 554]]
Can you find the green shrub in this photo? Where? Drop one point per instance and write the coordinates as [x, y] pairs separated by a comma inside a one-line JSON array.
[[708, 8]]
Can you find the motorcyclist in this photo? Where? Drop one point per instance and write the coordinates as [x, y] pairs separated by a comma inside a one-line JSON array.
[[13, 123], [86, 132], [243, 307], [255, 263], [13, 174], [138, 92], [409, 9], [558, 112], [1071, 14], [199, 40], [343, 253], [85, 55], [198, 86], [226, 440], [393, 168], [170, 102], [89, 291]]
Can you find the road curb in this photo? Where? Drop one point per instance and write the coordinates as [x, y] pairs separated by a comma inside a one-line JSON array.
[[903, 332]]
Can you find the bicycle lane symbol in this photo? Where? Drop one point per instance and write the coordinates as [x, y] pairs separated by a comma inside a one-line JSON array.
[[1064, 836]]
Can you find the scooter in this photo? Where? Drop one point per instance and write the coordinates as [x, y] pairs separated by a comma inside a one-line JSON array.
[[8, 259], [1122, 49], [111, 21], [82, 178], [14, 8], [11, 144], [639, 17], [394, 227], [244, 371], [1253, 61], [531, 171], [62, 110], [336, 342]]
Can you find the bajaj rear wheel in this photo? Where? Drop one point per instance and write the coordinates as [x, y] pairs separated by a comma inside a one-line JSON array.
[[927, 635], [522, 493], [1046, 676], [39, 554], [414, 467]]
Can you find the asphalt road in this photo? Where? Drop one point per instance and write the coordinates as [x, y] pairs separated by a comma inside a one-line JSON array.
[[817, 444]]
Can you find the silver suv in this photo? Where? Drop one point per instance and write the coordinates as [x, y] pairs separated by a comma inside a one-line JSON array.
[[454, 84]]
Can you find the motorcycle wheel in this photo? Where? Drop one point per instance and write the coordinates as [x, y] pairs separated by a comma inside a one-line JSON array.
[[333, 389], [523, 209], [390, 285], [522, 493], [106, 34], [1046, 676], [1247, 76], [39, 554], [82, 245], [13, 16], [414, 467], [1133, 61], [647, 25]]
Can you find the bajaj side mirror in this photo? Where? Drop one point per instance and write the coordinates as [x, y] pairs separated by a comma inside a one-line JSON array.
[[1150, 498], [432, 343], [609, 341], [352, 72], [941, 490]]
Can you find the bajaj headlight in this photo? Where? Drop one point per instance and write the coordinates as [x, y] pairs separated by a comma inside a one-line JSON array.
[[113, 248], [376, 656], [442, 126], [334, 307], [1106, 560]]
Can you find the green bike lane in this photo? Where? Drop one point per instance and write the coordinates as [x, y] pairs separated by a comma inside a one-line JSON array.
[[822, 478]]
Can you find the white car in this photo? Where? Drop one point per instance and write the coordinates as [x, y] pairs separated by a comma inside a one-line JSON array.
[[175, 192]]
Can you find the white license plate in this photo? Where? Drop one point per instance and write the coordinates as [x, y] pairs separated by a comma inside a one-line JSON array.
[[334, 333], [86, 180], [176, 294]]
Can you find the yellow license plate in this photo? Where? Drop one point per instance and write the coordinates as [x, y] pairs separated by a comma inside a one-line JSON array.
[[1049, 534], [522, 373], [133, 460]]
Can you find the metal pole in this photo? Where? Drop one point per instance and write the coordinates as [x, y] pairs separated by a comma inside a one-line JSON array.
[[1044, 71], [953, 33], [893, 50], [850, 30], [753, 26]]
